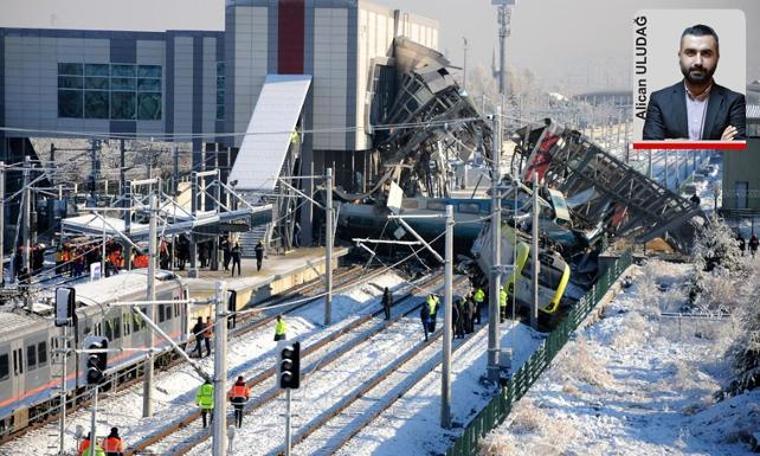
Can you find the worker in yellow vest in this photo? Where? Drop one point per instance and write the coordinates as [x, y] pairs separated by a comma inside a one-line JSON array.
[[479, 297], [279, 329], [432, 303], [204, 399], [503, 296]]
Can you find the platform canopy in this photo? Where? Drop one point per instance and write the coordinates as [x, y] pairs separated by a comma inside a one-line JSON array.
[[270, 132]]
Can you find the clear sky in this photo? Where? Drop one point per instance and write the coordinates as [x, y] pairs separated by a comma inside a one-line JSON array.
[[573, 44]]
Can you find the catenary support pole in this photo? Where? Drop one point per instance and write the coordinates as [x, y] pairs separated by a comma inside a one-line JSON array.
[[536, 265], [27, 226], [93, 422], [2, 224], [288, 436], [62, 419], [219, 442], [193, 272], [447, 297], [495, 276], [150, 339], [328, 245]]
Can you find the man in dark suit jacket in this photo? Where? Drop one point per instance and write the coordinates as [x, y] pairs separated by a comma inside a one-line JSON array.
[[696, 107]]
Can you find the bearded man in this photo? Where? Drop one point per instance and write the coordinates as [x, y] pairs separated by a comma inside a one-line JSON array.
[[696, 108]]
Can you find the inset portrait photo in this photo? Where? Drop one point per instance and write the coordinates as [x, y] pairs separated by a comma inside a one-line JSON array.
[[689, 79]]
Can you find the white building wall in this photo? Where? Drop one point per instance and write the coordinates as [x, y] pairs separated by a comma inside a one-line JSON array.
[[183, 85], [31, 80], [152, 52], [250, 65], [330, 82]]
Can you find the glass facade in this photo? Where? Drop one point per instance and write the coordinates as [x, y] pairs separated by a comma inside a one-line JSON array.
[[109, 91], [220, 91]]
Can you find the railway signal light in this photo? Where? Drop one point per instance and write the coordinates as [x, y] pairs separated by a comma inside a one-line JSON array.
[[290, 366], [65, 306], [96, 362]]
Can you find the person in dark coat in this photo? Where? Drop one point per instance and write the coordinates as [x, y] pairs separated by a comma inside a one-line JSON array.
[[226, 252], [458, 313], [425, 319], [469, 311], [259, 255], [199, 330], [742, 244], [235, 253], [753, 244], [387, 302]]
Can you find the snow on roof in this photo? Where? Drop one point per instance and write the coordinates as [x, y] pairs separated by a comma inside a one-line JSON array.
[[115, 287]]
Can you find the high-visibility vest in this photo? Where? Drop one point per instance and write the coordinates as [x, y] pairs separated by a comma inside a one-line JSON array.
[[280, 328], [208, 331], [240, 391], [113, 445], [83, 445], [479, 295], [205, 396], [98, 451], [502, 298], [432, 302]]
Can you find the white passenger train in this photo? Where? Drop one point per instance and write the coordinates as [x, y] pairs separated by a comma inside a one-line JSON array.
[[29, 381]]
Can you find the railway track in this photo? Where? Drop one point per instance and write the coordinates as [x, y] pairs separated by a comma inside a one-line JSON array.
[[336, 428], [248, 322], [178, 438]]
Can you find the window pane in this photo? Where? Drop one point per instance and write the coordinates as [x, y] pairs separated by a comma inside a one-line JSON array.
[[109, 332], [96, 83], [123, 84], [96, 105], [149, 85], [42, 353], [161, 317], [96, 69], [219, 112], [70, 68], [31, 356], [117, 327], [70, 103], [149, 106], [69, 82], [169, 312], [122, 105], [4, 367], [149, 71], [124, 71]]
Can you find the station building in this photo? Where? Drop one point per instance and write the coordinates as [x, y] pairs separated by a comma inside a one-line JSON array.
[[137, 69]]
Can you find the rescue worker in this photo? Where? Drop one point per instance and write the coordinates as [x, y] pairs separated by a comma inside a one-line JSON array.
[[199, 329], [259, 255], [753, 244], [208, 333], [280, 328], [112, 445], [479, 297], [85, 450], [204, 399], [425, 319], [387, 302], [239, 395], [503, 296], [432, 304]]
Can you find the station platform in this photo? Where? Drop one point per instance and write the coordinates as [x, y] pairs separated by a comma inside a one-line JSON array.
[[278, 274]]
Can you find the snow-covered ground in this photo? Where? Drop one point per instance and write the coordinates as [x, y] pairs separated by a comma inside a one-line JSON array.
[[175, 389], [411, 426], [638, 383]]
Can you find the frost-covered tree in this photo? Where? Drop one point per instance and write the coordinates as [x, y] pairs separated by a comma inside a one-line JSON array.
[[715, 247]]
